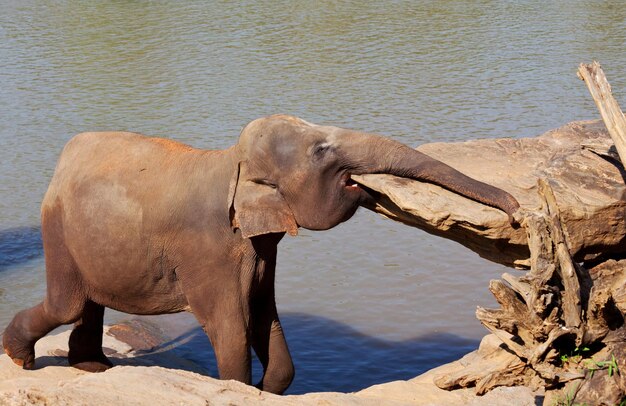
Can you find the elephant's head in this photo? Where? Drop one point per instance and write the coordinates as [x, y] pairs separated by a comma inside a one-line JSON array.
[[293, 173]]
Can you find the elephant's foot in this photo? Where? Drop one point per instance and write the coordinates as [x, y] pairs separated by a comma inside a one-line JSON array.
[[95, 362], [92, 366], [21, 352]]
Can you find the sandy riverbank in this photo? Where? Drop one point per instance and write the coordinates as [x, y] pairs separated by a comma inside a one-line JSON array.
[[145, 377]]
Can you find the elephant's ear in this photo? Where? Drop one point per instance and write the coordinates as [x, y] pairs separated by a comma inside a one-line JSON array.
[[257, 207]]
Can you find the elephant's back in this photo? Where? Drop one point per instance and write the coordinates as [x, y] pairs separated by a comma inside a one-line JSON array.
[[116, 158], [106, 151]]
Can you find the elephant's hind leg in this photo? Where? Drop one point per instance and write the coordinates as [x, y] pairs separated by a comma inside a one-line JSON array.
[[63, 304], [22, 333], [28, 326], [86, 341]]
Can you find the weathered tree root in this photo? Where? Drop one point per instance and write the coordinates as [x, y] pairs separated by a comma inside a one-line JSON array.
[[561, 326], [556, 324]]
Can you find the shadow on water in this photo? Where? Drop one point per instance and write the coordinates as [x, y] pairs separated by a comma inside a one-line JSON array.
[[331, 356], [19, 245]]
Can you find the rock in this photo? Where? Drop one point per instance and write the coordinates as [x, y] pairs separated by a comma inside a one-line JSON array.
[[141, 377], [577, 160], [139, 335]]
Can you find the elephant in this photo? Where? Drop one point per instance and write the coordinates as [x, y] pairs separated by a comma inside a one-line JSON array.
[[147, 225]]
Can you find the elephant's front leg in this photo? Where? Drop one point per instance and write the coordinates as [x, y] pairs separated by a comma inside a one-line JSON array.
[[270, 347], [224, 320]]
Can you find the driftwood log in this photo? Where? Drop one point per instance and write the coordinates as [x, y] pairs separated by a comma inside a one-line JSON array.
[[578, 158], [561, 326]]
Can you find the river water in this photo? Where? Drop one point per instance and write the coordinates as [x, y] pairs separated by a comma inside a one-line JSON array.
[[371, 300]]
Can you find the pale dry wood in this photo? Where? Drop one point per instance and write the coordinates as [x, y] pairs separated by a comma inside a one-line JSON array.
[[521, 287], [515, 315], [488, 367], [543, 297], [510, 375], [613, 117], [541, 349], [506, 337], [542, 267], [601, 149], [571, 293], [541, 315], [606, 302]]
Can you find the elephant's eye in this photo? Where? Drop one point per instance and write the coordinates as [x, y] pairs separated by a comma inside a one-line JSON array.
[[320, 150], [264, 182]]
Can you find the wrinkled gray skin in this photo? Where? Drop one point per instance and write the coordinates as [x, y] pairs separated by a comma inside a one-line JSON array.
[[150, 226]]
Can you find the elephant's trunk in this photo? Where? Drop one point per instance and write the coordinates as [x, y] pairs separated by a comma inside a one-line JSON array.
[[374, 154]]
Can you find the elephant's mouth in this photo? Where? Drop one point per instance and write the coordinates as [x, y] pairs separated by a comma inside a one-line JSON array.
[[348, 182]]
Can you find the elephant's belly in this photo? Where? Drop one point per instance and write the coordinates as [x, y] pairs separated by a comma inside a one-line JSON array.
[[148, 303], [132, 278], [132, 287], [122, 266]]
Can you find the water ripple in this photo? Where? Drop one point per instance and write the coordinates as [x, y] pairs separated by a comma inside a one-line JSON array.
[[19, 245]]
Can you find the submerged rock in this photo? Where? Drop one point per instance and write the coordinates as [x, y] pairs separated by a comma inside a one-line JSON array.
[[576, 159]]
